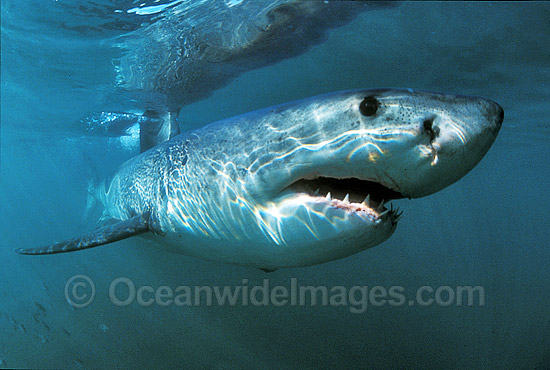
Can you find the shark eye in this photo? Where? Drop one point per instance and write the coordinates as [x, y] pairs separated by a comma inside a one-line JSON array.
[[368, 106]]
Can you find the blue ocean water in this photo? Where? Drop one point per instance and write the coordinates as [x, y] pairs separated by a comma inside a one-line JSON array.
[[491, 229]]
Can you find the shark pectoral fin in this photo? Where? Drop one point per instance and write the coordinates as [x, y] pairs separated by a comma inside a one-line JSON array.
[[116, 231], [156, 128]]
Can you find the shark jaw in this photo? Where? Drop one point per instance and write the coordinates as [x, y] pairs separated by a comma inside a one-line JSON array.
[[348, 194], [343, 198], [330, 210]]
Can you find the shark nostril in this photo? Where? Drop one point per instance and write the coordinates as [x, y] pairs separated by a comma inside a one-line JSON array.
[[430, 129]]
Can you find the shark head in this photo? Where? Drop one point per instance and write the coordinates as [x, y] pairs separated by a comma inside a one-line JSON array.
[[395, 141], [316, 173]]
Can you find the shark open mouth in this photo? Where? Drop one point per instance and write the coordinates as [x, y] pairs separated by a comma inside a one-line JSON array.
[[351, 194]]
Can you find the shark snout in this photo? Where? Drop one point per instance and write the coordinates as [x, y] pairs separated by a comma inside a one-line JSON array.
[[500, 115], [472, 124], [495, 114]]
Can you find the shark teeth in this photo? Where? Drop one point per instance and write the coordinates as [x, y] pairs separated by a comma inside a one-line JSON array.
[[347, 201], [366, 201], [379, 211], [396, 213]]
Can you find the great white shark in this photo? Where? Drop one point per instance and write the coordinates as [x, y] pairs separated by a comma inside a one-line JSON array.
[[296, 184]]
